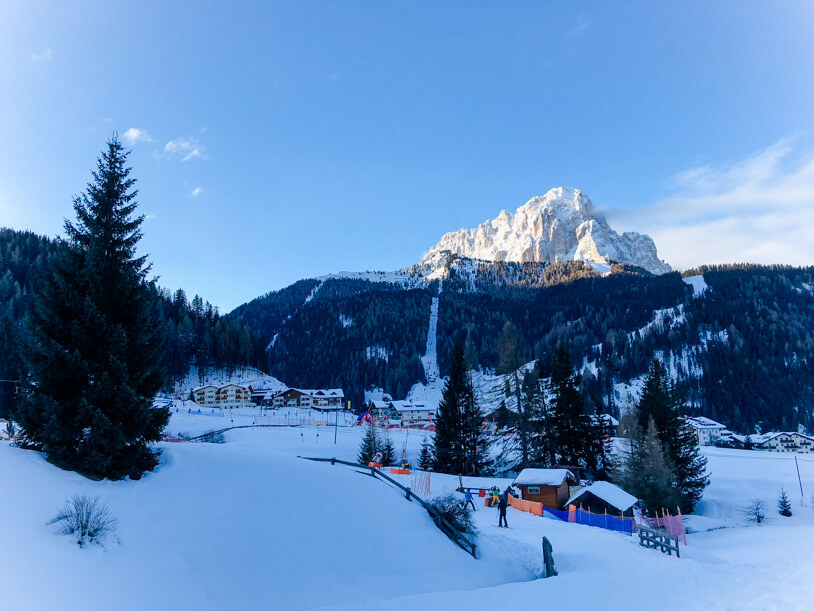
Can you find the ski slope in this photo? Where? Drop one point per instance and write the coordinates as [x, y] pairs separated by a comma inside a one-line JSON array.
[[248, 525], [430, 393], [242, 525]]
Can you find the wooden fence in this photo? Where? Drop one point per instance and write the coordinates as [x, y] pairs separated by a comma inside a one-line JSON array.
[[660, 540]]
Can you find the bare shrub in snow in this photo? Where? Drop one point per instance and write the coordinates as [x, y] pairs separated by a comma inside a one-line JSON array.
[[755, 511], [86, 518], [456, 513], [11, 430]]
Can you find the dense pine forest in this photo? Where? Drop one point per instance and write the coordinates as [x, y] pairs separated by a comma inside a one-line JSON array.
[[194, 331]]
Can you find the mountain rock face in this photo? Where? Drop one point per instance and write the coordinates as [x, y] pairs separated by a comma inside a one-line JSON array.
[[559, 226]]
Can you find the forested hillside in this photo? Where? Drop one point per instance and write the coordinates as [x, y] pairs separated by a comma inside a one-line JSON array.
[[741, 352], [193, 331]]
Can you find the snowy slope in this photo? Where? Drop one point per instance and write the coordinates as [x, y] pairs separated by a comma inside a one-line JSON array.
[[247, 525], [430, 393], [244, 525]]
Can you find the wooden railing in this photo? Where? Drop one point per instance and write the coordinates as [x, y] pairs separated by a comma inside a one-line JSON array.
[[658, 539], [460, 539]]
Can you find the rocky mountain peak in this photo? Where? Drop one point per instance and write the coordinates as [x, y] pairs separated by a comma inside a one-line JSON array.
[[558, 226]]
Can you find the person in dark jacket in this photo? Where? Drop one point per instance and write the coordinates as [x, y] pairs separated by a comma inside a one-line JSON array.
[[501, 508]]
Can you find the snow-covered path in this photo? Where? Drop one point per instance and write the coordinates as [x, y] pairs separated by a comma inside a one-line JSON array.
[[430, 393], [430, 358]]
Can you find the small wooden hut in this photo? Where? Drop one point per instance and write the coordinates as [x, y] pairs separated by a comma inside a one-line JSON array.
[[546, 486], [601, 497]]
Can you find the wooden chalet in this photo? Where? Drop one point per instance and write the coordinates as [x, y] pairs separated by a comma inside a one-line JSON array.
[[547, 486]]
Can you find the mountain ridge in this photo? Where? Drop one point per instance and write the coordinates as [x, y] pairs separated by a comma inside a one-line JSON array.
[[556, 227]]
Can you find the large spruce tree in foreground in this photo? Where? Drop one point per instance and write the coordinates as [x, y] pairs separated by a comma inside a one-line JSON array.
[[94, 349]]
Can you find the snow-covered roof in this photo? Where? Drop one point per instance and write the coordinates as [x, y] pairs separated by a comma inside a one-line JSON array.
[[769, 436], [543, 477], [326, 392], [613, 495], [319, 393], [410, 406], [197, 388], [379, 404], [701, 422], [607, 419]]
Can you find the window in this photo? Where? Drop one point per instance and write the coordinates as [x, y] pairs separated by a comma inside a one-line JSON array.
[[534, 489]]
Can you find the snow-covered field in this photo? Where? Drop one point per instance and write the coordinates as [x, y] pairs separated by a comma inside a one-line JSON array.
[[248, 525]]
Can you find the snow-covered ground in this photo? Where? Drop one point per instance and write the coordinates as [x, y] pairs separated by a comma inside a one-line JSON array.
[[248, 525], [698, 284]]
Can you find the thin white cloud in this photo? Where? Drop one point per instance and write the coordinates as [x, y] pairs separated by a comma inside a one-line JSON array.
[[758, 210], [195, 192], [185, 148], [578, 28], [42, 56], [135, 135]]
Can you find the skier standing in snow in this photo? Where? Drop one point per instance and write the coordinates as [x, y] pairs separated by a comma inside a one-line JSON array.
[[501, 508], [468, 499]]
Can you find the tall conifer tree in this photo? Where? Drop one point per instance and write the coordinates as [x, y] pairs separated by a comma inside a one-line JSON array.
[[660, 403], [95, 348], [459, 444], [570, 424]]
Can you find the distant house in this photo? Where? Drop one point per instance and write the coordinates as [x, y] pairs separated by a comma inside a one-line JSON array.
[[233, 395], [204, 395], [602, 497], [708, 431], [327, 399], [547, 486], [410, 411], [785, 442], [323, 399], [225, 396], [380, 409], [292, 397]]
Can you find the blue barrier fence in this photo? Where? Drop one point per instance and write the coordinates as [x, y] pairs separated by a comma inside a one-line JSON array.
[[578, 516]]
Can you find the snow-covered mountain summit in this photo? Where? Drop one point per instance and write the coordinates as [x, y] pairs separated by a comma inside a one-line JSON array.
[[559, 226]]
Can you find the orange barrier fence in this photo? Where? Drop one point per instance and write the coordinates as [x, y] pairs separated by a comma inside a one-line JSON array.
[[395, 471], [527, 506]]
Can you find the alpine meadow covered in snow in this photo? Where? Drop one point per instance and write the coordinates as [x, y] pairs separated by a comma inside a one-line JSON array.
[[600, 400]]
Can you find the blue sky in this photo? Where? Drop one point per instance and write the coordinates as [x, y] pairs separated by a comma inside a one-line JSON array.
[[279, 140]]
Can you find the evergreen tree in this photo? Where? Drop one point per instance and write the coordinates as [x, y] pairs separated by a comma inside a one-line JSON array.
[[94, 352], [369, 446], [448, 440], [388, 451], [459, 446], [570, 424], [659, 403], [475, 442], [510, 360], [648, 473], [784, 504], [598, 457], [425, 458]]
